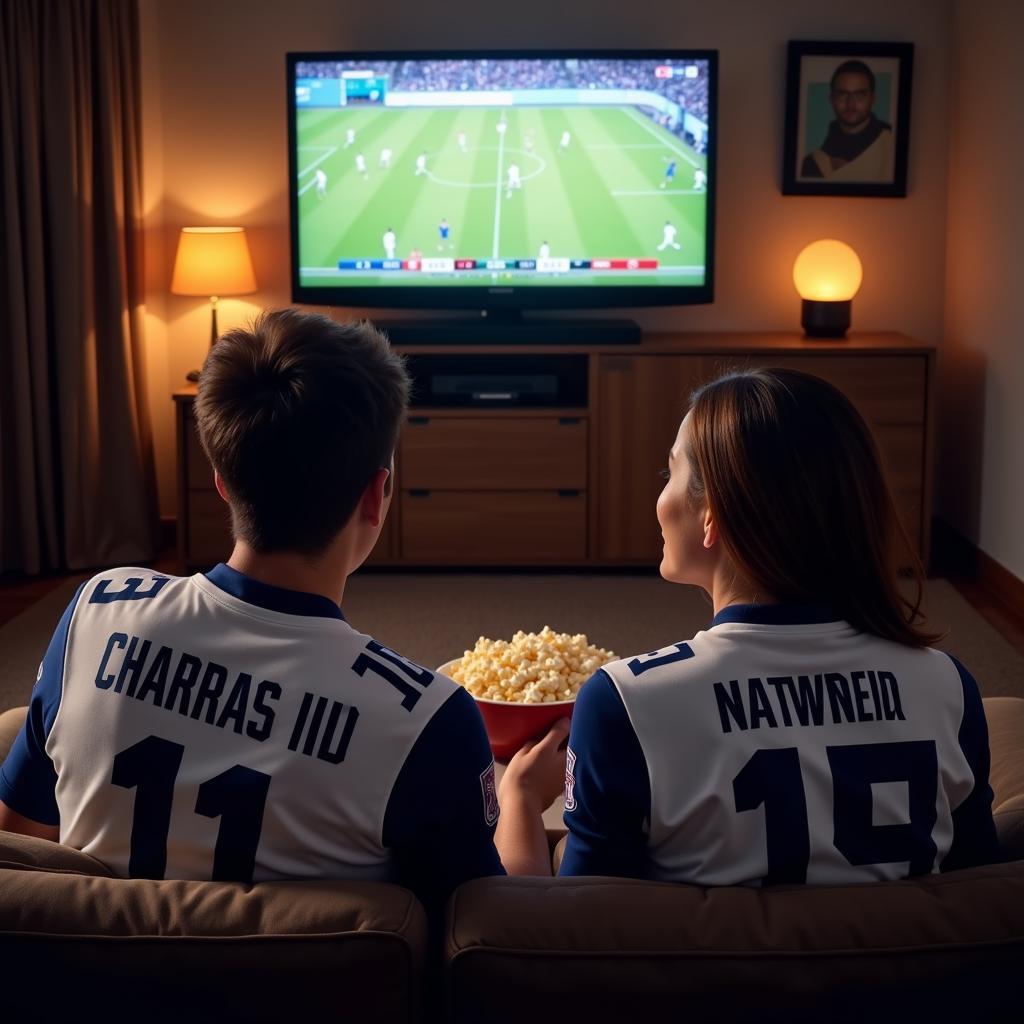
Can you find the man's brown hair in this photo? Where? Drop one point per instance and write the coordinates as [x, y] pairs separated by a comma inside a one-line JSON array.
[[296, 413], [792, 476]]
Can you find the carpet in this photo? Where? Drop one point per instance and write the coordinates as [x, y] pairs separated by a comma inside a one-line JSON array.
[[431, 618]]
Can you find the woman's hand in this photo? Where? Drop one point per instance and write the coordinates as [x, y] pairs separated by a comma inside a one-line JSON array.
[[536, 774]]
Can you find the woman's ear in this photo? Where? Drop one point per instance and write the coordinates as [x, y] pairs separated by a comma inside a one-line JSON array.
[[710, 529]]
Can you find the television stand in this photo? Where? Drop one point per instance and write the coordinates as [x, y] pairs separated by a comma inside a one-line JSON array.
[[510, 328]]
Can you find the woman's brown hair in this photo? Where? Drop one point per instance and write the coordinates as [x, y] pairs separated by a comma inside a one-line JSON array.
[[792, 477]]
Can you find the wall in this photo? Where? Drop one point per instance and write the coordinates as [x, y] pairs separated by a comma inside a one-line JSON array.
[[220, 142], [982, 416]]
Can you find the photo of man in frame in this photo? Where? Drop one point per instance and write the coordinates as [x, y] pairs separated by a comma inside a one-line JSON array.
[[858, 145]]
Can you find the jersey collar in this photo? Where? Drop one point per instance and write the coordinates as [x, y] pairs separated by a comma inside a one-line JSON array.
[[776, 614], [276, 599]]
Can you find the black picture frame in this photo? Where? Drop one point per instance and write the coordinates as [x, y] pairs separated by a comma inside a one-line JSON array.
[[878, 169]]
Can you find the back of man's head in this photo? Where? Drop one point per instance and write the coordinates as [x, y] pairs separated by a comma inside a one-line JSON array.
[[297, 413]]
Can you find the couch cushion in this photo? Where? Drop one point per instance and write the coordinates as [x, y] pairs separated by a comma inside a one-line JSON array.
[[176, 950], [610, 947], [27, 852]]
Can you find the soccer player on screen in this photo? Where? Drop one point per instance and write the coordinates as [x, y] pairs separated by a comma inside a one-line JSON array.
[[461, 139], [668, 237], [444, 232], [421, 164], [514, 181], [287, 743], [350, 137], [361, 165], [563, 143], [502, 125], [670, 173], [389, 241], [320, 177], [544, 252], [385, 158], [700, 180]]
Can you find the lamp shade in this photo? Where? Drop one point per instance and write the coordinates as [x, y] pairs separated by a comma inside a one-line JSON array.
[[827, 271], [213, 261]]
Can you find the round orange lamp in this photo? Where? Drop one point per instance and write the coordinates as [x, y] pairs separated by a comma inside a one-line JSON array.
[[827, 275]]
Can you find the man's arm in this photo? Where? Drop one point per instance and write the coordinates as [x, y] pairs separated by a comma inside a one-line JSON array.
[[12, 821], [28, 781], [442, 812]]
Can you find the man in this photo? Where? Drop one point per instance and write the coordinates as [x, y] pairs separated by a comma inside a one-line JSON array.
[[444, 230], [320, 177], [514, 180], [361, 166], [858, 146], [389, 241], [232, 725], [350, 137], [421, 164], [670, 173], [700, 180], [461, 138], [544, 252], [668, 237], [563, 142], [385, 158]]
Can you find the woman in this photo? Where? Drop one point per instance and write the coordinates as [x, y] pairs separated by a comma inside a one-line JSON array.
[[811, 733]]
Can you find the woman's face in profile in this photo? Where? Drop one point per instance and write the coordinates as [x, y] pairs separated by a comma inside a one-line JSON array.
[[684, 557]]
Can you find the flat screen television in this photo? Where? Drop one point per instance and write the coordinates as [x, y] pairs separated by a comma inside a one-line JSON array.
[[502, 181]]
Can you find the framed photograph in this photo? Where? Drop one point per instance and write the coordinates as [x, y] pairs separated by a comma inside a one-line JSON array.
[[847, 119]]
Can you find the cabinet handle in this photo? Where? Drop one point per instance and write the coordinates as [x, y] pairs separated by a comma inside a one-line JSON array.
[[418, 492], [418, 421]]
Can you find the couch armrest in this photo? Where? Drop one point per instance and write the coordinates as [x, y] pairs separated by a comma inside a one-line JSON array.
[[1006, 742]]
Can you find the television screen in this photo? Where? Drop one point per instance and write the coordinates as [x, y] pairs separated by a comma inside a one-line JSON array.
[[502, 180]]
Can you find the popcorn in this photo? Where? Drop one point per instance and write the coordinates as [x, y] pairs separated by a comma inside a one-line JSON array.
[[531, 668]]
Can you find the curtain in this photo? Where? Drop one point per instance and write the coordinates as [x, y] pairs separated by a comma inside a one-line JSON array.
[[77, 475]]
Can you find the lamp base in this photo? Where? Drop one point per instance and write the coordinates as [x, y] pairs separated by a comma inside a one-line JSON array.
[[825, 319]]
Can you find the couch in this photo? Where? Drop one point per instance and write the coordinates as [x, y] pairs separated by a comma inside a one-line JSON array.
[[520, 949]]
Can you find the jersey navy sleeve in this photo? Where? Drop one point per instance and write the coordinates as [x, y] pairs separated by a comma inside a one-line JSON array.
[[443, 809], [974, 830], [27, 777], [608, 791]]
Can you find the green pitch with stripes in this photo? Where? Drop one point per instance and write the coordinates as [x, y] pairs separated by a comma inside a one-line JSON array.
[[598, 198]]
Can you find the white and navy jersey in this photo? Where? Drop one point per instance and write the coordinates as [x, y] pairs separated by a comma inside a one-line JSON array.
[[778, 746], [217, 727]]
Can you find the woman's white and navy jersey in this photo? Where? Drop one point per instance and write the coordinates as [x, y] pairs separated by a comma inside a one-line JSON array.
[[217, 727], [779, 745]]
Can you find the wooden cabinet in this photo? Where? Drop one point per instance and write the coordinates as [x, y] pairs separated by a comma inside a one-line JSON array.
[[577, 486]]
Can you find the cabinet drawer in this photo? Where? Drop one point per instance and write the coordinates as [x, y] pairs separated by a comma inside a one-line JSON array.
[[494, 527], [209, 529], [449, 453]]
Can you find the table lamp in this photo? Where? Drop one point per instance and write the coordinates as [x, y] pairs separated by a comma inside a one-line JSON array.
[[213, 262], [827, 275]]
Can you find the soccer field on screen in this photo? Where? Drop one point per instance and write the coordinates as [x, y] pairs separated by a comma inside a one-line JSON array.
[[603, 196]]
